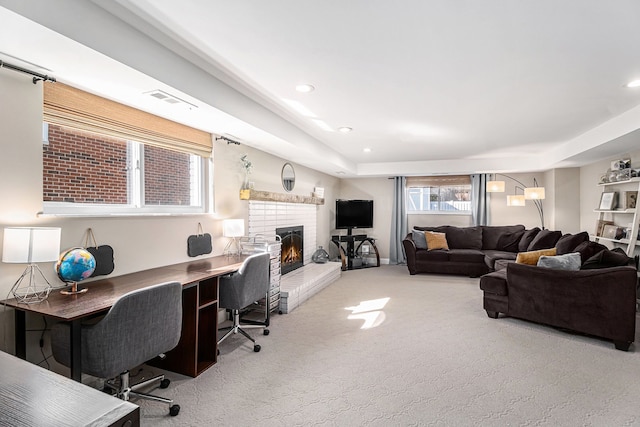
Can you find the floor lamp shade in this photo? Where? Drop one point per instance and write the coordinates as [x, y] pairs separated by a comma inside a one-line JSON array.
[[534, 193], [515, 200], [27, 245], [495, 186]]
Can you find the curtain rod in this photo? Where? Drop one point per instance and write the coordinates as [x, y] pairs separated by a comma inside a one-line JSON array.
[[37, 76]]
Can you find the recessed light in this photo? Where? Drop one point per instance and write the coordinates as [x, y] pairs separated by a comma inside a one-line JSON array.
[[635, 83], [345, 129], [305, 88], [340, 172], [367, 150]]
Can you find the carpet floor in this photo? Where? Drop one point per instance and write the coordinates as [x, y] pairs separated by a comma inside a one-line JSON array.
[[382, 348]]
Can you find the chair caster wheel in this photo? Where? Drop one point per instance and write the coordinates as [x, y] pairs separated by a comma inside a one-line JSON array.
[[265, 332], [165, 383], [174, 410], [218, 352], [279, 311], [256, 348]]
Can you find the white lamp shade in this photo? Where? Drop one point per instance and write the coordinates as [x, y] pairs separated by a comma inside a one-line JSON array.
[[30, 244], [515, 200], [233, 227], [534, 193], [495, 186]]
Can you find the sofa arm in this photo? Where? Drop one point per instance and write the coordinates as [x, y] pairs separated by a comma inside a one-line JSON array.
[[600, 302], [410, 252]]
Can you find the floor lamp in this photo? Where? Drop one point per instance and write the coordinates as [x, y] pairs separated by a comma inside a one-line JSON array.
[[233, 228], [535, 193], [30, 245]]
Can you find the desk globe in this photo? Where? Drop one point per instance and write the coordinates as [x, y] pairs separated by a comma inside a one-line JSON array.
[[73, 266]]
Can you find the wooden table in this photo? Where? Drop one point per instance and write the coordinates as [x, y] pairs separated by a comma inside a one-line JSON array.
[[33, 396], [197, 349]]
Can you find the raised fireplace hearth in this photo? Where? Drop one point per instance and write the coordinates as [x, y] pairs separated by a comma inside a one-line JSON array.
[[292, 255]]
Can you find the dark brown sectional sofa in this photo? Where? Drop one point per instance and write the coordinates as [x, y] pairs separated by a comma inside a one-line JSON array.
[[599, 302], [596, 296], [473, 251]]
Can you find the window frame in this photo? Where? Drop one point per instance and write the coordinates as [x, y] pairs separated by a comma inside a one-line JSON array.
[[136, 191], [430, 182]]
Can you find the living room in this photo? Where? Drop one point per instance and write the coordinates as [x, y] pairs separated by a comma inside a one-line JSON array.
[[143, 242]]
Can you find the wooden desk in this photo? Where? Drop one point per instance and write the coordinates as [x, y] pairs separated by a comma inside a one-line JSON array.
[[32, 396], [197, 349]]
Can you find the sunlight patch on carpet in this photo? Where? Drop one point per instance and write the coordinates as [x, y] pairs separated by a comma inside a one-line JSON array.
[[370, 312]]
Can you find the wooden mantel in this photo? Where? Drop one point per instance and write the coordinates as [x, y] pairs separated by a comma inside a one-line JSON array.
[[279, 197]]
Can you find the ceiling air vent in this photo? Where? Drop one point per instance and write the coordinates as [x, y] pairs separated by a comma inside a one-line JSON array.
[[170, 99]]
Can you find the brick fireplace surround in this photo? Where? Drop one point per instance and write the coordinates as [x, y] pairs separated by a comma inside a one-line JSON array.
[[298, 285]]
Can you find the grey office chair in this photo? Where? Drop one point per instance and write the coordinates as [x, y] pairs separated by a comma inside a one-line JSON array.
[[241, 289], [140, 326]]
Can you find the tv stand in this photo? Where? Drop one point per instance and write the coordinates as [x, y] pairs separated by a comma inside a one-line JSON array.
[[353, 254]]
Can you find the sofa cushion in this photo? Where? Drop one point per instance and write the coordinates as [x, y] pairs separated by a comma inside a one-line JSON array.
[[570, 261], [464, 237], [466, 255], [607, 258], [509, 242], [545, 239], [436, 240], [531, 257], [589, 249], [492, 256], [419, 239], [459, 237], [567, 243], [437, 255], [495, 282], [502, 264], [526, 239], [491, 234]]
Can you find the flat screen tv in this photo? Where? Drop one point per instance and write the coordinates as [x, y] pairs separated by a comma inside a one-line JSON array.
[[354, 214]]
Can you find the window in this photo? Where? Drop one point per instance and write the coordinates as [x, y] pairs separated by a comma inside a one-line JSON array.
[[86, 173], [439, 195], [102, 157]]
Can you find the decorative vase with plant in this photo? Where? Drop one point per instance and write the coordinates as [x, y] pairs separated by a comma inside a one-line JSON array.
[[246, 165]]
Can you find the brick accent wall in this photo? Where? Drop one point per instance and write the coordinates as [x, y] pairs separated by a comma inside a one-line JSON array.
[[81, 167], [167, 177]]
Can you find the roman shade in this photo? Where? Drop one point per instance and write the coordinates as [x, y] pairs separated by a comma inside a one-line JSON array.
[[438, 181], [67, 106]]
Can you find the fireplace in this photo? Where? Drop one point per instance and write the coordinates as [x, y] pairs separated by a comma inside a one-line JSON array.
[[292, 248]]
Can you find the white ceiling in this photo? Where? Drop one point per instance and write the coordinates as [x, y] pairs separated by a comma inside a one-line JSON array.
[[430, 86]]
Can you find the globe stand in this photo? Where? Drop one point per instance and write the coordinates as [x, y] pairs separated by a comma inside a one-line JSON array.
[[74, 290]]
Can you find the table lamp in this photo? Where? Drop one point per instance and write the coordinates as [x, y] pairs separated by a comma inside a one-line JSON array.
[[233, 228], [30, 245]]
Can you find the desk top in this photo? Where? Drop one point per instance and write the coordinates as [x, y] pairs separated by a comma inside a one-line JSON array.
[[103, 293], [32, 396]]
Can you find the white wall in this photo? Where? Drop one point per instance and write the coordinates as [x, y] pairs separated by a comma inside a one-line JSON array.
[[139, 242], [380, 190]]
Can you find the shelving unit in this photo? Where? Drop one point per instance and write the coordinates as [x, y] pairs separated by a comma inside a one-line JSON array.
[[270, 302], [353, 256], [630, 241]]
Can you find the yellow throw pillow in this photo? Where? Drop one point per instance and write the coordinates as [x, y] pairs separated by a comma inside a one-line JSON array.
[[436, 240], [531, 258]]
